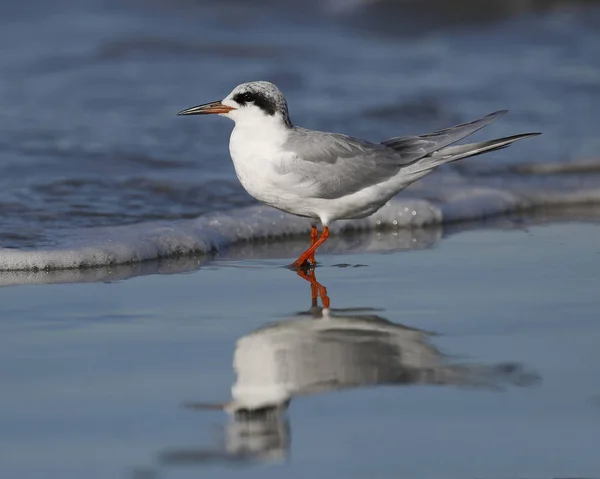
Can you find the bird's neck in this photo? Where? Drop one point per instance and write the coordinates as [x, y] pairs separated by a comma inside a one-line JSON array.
[[266, 129]]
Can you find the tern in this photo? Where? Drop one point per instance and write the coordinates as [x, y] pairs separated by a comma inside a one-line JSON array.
[[329, 176]]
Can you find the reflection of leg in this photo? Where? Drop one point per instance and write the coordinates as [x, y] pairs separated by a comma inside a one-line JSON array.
[[314, 234], [303, 260], [308, 275], [314, 294], [316, 288], [325, 298]]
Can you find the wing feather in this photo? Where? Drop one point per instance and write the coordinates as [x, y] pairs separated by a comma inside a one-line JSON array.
[[337, 165], [439, 139]]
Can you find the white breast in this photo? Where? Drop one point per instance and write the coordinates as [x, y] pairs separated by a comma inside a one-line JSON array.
[[256, 151]]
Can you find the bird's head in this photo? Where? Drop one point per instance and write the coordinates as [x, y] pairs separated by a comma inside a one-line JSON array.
[[252, 102]]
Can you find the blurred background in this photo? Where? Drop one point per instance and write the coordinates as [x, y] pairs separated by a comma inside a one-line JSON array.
[[90, 88]]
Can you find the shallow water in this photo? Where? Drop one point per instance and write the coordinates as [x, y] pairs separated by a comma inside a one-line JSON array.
[[487, 343], [89, 92], [451, 349]]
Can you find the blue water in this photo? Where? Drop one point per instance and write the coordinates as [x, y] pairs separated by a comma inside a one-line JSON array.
[[96, 377], [450, 350], [89, 92]]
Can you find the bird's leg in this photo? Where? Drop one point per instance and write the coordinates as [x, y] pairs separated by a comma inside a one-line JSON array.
[[316, 288], [310, 252], [314, 234]]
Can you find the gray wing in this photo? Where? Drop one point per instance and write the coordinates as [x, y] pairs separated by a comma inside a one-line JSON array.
[[432, 142], [335, 165]]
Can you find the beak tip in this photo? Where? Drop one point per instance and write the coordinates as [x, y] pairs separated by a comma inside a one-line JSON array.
[[216, 107]]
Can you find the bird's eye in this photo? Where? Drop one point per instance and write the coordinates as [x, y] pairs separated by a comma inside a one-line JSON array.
[[243, 98]]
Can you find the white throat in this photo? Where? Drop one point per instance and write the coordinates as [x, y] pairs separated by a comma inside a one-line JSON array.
[[256, 129]]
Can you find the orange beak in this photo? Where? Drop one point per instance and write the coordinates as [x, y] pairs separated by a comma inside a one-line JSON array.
[[207, 109]]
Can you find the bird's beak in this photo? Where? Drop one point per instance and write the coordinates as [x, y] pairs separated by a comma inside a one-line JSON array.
[[207, 109]]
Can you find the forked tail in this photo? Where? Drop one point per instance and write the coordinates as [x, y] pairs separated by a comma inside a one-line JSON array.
[[458, 152], [437, 149]]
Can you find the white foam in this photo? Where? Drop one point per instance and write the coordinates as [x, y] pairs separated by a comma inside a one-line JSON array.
[[135, 243], [455, 199]]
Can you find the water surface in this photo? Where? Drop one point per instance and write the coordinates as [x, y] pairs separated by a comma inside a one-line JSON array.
[[489, 340]]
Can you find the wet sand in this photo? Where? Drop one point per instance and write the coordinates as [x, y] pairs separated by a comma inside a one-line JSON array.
[[476, 357]]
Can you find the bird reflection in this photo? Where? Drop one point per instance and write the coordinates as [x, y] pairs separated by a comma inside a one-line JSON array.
[[323, 350], [317, 290], [262, 434]]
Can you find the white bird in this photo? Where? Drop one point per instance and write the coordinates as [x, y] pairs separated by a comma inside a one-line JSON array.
[[329, 176]]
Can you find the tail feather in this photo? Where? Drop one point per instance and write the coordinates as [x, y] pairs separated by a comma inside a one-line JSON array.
[[439, 139], [458, 152]]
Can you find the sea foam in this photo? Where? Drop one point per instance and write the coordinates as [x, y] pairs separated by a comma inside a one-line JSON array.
[[440, 199]]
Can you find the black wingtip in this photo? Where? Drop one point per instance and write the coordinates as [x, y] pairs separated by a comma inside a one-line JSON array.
[[520, 136], [498, 113]]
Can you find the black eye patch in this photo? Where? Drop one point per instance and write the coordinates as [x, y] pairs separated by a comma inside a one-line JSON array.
[[243, 98], [260, 100]]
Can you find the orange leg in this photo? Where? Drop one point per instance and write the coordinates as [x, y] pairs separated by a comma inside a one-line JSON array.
[[310, 252], [316, 288], [314, 234]]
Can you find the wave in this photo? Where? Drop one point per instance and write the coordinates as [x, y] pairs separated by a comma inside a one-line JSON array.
[[108, 246], [438, 200]]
